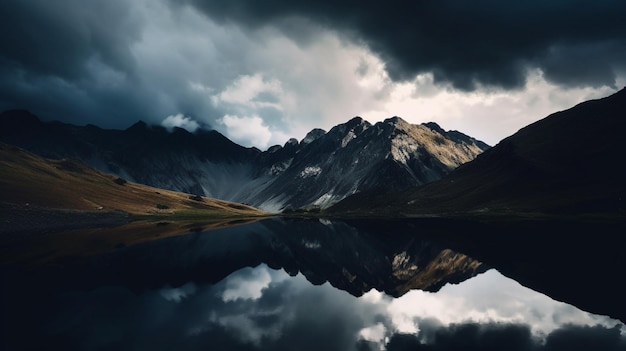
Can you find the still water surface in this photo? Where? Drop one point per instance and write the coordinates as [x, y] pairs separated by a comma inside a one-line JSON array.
[[289, 285]]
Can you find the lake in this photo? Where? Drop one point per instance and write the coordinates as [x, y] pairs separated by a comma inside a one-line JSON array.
[[317, 284]]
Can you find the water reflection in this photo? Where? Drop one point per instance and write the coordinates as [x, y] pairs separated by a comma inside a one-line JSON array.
[[250, 288], [350, 259]]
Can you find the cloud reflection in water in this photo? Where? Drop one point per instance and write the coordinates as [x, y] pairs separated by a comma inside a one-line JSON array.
[[264, 309]]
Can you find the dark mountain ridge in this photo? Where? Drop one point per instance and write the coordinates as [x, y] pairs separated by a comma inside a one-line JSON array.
[[316, 172]]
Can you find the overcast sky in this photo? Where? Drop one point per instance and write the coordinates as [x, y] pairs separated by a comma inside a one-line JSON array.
[[263, 71]]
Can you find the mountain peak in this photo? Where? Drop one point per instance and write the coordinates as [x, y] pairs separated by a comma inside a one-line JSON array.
[[15, 120], [398, 123], [357, 121], [139, 125], [394, 120], [434, 127], [350, 129], [313, 135], [18, 113]]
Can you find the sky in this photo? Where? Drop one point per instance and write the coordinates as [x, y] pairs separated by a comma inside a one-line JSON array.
[[262, 72]]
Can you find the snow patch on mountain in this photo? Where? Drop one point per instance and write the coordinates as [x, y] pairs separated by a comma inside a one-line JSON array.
[[309, 172], [280, 167], [348, 138], [327, 200], [311, 245], [403, 148]]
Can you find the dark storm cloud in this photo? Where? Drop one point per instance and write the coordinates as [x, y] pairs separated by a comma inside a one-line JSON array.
[[74, 60], [514, 337], [465, 43], [50, 52], [114, 62], [58, 38]]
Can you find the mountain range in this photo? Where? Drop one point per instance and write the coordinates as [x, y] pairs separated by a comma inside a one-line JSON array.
[[569, 162], [313, 173]]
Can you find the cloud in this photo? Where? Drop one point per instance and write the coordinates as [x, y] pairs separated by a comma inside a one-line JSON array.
[[573, 337], [592, 64], [247, 283], [114, 63], [178, 294], [308, 64], [71, 59], [247, 130], [180, 121], [488, 116], [69, 35], [476, 301], [496, 336], [468, 45], [316, 86], [253, 92]]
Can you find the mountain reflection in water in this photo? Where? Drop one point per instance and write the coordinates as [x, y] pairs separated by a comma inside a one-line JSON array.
[[285, 285]]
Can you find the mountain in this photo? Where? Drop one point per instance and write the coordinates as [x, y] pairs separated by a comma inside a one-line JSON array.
[[42, 195], [316, 172], [358, 156], [570, 162]]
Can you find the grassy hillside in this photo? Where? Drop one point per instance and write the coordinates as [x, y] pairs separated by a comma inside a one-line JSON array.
[[90, 212], [68, 184]]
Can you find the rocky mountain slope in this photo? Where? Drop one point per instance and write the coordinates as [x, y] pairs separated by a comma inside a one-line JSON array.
[[316, 172], [570, 162]]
